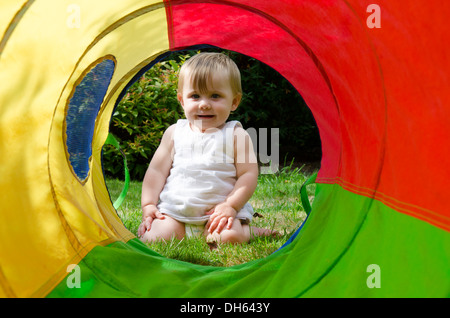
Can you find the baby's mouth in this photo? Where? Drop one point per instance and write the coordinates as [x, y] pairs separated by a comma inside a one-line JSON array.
[[205, 116]]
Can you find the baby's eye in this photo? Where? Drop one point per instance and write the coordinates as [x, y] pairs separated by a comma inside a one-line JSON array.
[[215, 96], [195, 96]]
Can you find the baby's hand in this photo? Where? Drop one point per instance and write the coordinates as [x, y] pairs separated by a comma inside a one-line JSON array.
[[149, 213], [222, 216]]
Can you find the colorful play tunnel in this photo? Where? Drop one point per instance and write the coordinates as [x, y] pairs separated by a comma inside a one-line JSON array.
[[376, 78]]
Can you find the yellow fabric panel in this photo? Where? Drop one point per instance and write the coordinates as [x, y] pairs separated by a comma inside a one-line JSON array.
[[11, 12], [48, 218]]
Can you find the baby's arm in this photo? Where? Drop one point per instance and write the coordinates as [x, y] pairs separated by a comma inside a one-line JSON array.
[[155, 179], [223, 214]]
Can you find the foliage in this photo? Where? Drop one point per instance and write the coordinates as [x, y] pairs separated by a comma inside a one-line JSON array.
[[270, 101], [140, 119], [150, 106]]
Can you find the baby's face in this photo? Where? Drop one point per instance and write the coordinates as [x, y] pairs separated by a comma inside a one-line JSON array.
[[209, 109]]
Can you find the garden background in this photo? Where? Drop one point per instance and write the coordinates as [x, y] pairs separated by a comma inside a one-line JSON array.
[[269, 101], [150, 106]]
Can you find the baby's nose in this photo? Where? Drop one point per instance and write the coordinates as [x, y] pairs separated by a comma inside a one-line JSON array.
[[204, 104]]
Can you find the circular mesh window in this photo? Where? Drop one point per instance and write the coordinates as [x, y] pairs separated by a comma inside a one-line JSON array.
[[81, 115]]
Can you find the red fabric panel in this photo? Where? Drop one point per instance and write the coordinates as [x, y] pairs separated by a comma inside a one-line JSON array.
[[379, 96], [227, 26]]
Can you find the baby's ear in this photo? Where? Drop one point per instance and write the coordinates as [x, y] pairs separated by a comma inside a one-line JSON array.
[[236, 101], [180, 98]]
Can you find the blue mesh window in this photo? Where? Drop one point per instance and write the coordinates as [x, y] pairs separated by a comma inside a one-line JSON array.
[[82, 113]]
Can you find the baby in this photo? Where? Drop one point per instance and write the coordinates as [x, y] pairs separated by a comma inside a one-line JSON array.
[[204, 171]]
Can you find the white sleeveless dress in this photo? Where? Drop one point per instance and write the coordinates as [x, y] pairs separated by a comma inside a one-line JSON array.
[[202, 175]]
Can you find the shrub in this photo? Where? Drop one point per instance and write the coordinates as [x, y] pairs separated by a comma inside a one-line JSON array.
[[140, 119], [270, 101], [151, 106]]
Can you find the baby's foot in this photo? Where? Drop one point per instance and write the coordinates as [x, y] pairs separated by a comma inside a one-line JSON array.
[[256, 231]]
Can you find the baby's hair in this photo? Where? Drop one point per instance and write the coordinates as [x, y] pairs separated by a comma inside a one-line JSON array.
[[202, 66]]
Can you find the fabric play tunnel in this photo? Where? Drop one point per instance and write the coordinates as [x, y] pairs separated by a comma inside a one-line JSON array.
[[379, 93]]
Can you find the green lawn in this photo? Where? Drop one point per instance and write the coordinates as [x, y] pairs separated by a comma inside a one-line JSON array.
[[276, 202]]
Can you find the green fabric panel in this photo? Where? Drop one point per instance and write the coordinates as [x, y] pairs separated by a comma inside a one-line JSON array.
[[111, 140], [413, 256], [342, 236]]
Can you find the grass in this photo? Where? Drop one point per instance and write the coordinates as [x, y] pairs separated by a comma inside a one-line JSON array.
[[276, 202]]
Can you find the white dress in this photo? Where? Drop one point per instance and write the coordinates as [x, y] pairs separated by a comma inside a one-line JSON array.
[[202, 175]]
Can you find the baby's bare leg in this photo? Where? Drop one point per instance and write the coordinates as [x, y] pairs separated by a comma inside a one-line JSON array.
[[164, 229], [238, 233]]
